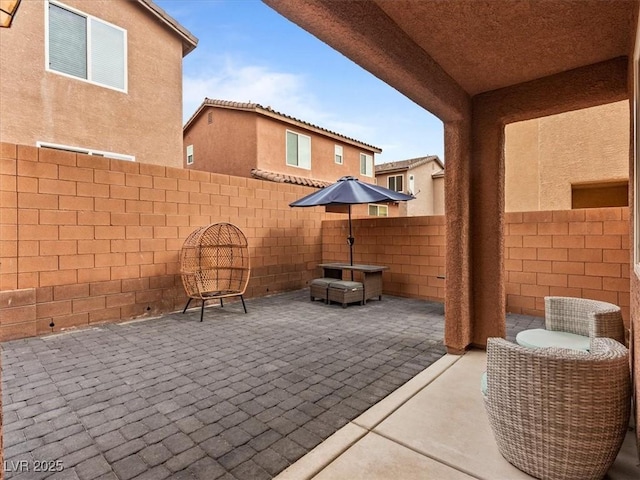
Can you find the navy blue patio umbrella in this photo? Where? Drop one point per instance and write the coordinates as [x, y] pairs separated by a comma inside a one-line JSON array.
[[351, 191]]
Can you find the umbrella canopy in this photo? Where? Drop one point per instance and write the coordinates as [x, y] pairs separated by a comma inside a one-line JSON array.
[[350, 191]]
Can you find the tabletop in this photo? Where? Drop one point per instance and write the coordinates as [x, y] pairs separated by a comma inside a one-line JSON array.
[[359, 268]]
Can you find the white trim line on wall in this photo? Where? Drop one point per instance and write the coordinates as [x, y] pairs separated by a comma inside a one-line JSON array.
[[87, 151]]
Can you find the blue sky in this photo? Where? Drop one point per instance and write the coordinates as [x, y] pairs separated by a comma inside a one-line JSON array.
[[249, 52]]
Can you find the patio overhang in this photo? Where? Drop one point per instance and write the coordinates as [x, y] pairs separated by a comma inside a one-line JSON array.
[[465, 47], [479, 65]]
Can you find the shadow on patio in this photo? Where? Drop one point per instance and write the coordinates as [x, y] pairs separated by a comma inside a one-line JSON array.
[[237, 396]]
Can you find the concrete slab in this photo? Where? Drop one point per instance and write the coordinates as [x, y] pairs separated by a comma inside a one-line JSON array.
[[447, 421], [377, 458], [318, 458], [396, 399]]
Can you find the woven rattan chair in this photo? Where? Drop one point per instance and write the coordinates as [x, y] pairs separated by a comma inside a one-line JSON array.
[[591, 318], [214, 264], [558, 414]]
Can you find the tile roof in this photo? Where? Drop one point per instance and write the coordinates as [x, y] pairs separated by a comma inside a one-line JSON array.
[[270, 112], [284, 178], [407, 164], [189, 41]]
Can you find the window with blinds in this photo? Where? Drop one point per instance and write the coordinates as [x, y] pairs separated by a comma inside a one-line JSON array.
[[85, 47]]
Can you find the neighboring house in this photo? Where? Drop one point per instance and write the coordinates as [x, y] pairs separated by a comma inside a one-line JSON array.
[[577, 159], [103, 78], [422, 177], [249, 140]]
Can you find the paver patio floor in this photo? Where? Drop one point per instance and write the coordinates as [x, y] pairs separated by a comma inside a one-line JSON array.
[[237, 396]]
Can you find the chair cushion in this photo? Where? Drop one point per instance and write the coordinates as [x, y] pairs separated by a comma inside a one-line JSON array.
[[483, 383], [345, 285], [541, 338]]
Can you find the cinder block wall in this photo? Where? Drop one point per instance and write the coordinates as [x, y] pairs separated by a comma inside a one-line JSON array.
[[85, 239], [581, 253], [412, 247], [575, 253]]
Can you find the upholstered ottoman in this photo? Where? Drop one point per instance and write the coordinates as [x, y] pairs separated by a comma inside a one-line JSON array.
[[345, 292], [318, 288]]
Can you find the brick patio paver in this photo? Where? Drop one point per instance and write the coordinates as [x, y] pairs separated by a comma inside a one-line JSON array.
[[238, 396]]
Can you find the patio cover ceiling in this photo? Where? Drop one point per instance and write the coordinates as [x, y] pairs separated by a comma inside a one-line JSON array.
[[466, 47]]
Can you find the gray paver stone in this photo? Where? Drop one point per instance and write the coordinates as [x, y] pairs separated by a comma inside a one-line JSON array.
[[129, 467], [124, 450], [236, 456], [216, 447], [178, 442], [250, 470], [184, 459], [206, 432], [74, 458], [155, 454], [159, 472], [271, 461], [206, 469], [92, 468]]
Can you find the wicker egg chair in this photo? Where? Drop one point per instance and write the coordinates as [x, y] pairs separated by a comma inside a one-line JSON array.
[[214, 264]]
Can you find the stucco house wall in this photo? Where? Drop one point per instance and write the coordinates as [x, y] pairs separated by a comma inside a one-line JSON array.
[[546, 155], [429, 191], [233, 138], [227, 145], [44, 106]]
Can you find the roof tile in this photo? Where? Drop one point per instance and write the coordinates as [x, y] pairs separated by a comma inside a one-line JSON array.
[[284, 178]]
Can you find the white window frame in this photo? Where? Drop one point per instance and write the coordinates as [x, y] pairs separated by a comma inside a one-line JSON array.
[[87, 151], [338, 154], [89, 19], [378, 208], [306, 165], [190, 157], [395, 182], [367, 171]]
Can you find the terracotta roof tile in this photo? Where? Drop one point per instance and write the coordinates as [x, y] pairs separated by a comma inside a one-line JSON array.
[[256, 107], [407, 164], [284, 178]]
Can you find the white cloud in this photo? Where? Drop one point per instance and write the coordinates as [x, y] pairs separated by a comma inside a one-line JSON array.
[[285, 92]]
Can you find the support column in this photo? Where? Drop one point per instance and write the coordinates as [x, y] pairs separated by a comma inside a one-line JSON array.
[[487, 223], [458, 289]]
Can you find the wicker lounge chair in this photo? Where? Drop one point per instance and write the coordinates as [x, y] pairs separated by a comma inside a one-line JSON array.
[[558, 414], [573, 322], [214, 264], [582, 316]]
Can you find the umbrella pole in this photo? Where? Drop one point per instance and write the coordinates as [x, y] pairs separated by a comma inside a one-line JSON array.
[[350, 240]]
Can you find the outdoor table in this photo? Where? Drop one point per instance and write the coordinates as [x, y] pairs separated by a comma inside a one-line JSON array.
[[541, 338], [371, 276]]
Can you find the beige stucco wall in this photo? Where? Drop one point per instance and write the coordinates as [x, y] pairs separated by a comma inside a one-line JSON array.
[[227, 145], [545, 156], [39, 105], [429, 192], [238, 140], [438, 196]]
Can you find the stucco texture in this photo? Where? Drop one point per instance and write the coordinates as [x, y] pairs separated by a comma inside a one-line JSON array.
[[545, 156], [237, 140], [40, 105]]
